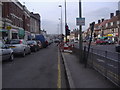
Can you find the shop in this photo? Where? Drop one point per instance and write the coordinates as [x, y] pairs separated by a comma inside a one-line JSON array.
[[21, 33], [14, 34], [27, 35], [3, 33]]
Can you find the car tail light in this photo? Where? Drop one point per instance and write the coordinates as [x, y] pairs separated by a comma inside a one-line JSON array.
[[31, 45], [20, 41], [46, 42]]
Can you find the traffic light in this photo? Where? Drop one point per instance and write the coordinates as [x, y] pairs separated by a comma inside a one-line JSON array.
[[67, 30]]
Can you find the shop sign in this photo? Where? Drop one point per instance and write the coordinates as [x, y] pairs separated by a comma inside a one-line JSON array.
[[8, 27]]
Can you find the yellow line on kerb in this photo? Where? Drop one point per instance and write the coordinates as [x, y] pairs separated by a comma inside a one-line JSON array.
[[59, 71]]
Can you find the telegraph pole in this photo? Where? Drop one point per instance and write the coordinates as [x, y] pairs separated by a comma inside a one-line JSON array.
[[80, 33]]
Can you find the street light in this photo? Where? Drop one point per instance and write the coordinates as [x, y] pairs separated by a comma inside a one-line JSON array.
[[61, 18], [65, 22]]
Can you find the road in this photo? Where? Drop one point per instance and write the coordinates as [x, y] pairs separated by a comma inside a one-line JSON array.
[[100, 49], [43, 69], [110, 48]]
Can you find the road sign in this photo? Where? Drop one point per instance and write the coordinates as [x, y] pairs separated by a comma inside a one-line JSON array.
[[80, 21]]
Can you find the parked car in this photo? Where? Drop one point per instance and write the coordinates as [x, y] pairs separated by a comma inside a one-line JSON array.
[[39, 44], [101, 41], [19, 46], [6, 53], [109, 41], [33, 45]]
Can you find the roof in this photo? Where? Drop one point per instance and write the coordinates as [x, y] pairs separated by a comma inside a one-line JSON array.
[[113, 19], [104, 22]]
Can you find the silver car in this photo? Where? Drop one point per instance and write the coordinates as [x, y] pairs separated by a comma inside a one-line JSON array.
[[6, 53], [19, 46]]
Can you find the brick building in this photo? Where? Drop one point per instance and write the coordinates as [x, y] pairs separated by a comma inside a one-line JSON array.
[[35, 23], [26, 21], [12, 14], [18, 22]]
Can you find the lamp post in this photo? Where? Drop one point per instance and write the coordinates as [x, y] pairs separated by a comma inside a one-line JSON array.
[[61, 18], [65, 22], [80, 33]]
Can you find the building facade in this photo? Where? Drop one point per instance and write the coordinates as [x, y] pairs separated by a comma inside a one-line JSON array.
[[13, 19], [26, 22], [35, 23], [18, 22]]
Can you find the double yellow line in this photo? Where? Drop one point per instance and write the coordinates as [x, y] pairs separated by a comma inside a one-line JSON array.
[[59, 71]]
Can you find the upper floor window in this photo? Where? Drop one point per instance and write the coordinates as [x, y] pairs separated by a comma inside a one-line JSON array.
[[106, 25], [111, 23], [118, 22]]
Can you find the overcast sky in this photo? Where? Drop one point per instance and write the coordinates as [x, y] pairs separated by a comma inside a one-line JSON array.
[[50, 12]]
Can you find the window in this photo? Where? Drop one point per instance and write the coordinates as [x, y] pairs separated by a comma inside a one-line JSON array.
[[111, 23], [106, 25], [118, 22]]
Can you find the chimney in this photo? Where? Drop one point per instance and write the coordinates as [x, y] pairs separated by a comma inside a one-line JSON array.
[[98, 21], [111, 15], [102, 20], [117, 12]]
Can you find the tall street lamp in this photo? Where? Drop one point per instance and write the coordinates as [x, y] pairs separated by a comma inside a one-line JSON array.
[[65, 22], [61, 18], [80, 33]]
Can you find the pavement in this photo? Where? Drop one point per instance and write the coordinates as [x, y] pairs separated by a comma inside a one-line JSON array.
[[81, 77]]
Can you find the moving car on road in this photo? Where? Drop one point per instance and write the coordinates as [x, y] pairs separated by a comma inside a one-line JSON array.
[[19, 46], [6, 53]]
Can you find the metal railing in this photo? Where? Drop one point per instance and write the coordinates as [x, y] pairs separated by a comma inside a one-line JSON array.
[[106, 63]]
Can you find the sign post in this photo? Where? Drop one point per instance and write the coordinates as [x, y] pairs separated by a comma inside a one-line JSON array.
[[80, 22]]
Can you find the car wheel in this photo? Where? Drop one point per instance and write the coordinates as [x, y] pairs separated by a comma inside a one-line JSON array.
[[11, 57], [23, 54]]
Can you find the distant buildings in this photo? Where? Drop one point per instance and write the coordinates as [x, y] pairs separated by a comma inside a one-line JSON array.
[[18, 21], [106, 28]]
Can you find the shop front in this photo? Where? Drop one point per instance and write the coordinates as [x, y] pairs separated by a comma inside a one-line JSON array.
[[14, 34], [21, 33], [3, 34]]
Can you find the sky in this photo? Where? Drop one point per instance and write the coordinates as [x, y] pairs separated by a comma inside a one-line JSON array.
[[50, 12]]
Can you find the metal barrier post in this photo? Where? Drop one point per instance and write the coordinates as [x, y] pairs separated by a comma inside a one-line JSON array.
[[119, 69], [106, 63], [92, 56]]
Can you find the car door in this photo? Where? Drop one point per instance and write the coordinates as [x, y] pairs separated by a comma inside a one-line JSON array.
[[5, 52], [26, 46]]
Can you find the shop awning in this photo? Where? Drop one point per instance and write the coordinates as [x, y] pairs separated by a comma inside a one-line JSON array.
[[110, 35], [103, 37]]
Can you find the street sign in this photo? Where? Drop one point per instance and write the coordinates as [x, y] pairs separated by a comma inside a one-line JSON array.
[[80, 21]]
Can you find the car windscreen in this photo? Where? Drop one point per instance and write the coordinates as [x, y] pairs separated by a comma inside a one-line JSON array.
[[31, 42], [15, 42]]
